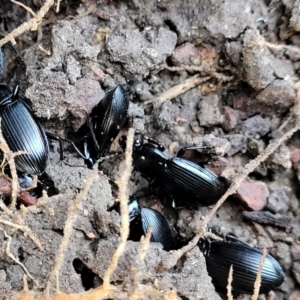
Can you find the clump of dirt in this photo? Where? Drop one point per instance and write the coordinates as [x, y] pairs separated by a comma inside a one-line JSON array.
[[248, 54]]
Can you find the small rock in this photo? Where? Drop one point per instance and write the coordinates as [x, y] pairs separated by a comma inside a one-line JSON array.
[[294, 155], [85, 96], [142, 90], [295, 251], [255, 127], [231, 118], [138, 55], [210, 111], [234, 50], [186, 54], [218, 166], [196, 128], [257, 61], [280, 160], [279, 201], [295, 295], [296, 271], [276, 98], [253, 193], [283, 68], [237, 143], [135, 110], [212, 144], [284, 256], [295, 19]]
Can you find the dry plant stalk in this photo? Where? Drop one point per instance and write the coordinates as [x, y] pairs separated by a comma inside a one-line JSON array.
[[10, 255], [73, 210], [32, 24], [26, 230], [180, 88], [123, 199], [257, 282], [229, 285], [143, 248]]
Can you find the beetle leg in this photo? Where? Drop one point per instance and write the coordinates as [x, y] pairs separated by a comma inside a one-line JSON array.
[[91, 129], [19, 56], [159, 146], [52, 136]]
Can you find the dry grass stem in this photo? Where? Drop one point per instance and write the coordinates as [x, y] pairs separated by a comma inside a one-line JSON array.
[[25, 283], [257, 282], [48, 52], [123, 198], [10, 255], [137, 270], [73, 210], [5, 208], [26, 230], [26, 8], [180, 88], [229, 285], [58, 6], [32, 24], [144, 243]]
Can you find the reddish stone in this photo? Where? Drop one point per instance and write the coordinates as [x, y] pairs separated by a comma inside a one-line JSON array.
[[254, 194], [218, 166], [276, 98], [295, 155], [230, 118], [87, 94], [185, 54]]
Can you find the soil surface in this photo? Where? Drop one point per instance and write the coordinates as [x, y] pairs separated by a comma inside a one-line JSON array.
[[148, 47]]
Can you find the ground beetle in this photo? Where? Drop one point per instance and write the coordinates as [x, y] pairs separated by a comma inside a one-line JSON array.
[[245, 259], [104, 124], [141, 218], [21, 130], [187, 182]]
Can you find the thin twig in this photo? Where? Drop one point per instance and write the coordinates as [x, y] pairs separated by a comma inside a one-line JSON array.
[[74, 208], [229, 284], [180, 88], [26, 8], [32, 24], [9, 254], [258, 276], [123, 198], [26, 230]]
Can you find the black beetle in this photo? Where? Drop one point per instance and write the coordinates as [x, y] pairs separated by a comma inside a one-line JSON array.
[[187, 182], [141, 218], [245, 259], [104, 124], [21, 130]]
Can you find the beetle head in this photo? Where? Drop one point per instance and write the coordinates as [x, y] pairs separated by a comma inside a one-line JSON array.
[[133, 208], [204, 246]]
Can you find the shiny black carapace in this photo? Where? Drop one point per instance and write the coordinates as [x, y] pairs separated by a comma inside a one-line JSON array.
[[245, 260], [105, 123], [141, 218], [188, 183], [21, 130]]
